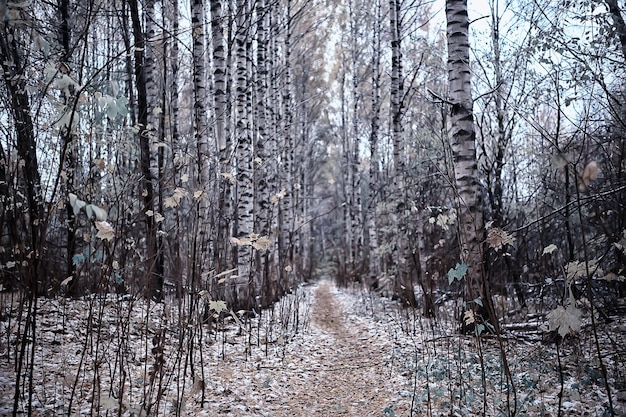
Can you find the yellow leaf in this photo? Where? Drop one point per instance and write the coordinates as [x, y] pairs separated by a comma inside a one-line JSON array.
[[170, 202]]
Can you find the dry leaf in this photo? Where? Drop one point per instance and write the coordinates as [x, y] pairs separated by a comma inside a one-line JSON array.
[[230, 177], [262, 243], [217, 306], [105, 231], [565, 319], [621, 245], [549, 249], [174, 199], [469, 317], [498, 238], [590, 173], [577, 269]]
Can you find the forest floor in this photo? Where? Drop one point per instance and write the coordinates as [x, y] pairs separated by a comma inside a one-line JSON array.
[[321, 351], [343, 368]]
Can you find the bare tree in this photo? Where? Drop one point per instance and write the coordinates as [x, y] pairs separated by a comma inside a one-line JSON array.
[[403, 287], [245, 175], [462, 138], [145, 78]]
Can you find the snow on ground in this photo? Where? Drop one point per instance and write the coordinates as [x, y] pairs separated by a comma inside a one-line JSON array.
[[320, 351]]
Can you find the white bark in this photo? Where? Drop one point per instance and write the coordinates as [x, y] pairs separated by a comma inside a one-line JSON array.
[[403, 282], [462, 135], [245, 178], [200, 122]]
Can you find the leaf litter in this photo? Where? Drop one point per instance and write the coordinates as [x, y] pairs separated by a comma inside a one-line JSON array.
[[321, 351]]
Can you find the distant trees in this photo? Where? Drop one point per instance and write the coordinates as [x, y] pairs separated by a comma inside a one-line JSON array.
[[145, 152], [174, 189]]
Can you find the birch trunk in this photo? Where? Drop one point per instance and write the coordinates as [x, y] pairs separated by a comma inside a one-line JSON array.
[[221, 117], [371, 233], [262, 148], [287, 226], [245, 178], [201, 132], [403, 287], [462, 135]]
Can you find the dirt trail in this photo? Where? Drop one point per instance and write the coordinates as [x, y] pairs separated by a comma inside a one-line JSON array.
[[351, 366]]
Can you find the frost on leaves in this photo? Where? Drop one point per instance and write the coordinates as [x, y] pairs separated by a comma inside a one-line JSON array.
[[91, 210], [444, 220], [578, 269], [217, 306], [564, 319]]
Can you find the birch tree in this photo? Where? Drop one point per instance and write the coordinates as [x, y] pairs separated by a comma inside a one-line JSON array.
[[287, 209], [370, 233], [264, 169], [221, 127], [403, 286], [201, 130], [462, 138], [245, 176]]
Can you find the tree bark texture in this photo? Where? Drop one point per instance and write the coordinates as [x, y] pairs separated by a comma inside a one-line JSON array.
[[462, 138], [13, 73], [403, 288], [154, 286]]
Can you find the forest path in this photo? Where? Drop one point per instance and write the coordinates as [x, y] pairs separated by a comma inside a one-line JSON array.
[[350, 367]]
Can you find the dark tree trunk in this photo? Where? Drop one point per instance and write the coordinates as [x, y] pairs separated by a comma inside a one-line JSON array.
[[155, 284], [13, 75]]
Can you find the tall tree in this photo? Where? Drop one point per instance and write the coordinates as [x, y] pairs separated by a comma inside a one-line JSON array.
[[201, 130], [403, 288], [221, 119], [618, 23], [143, 78], [462, 138], [370, 232], [287, 224], [263, 151], [245, 176], [14, 74]]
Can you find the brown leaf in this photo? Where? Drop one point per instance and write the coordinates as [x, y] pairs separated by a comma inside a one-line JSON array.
[[590, 173]]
